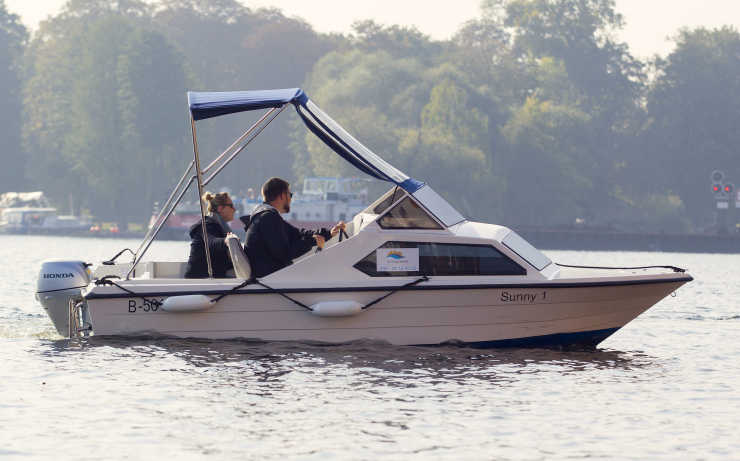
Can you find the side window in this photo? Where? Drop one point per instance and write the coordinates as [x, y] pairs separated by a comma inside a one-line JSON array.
[[524, 249], [407, 215], [437, 259], [386, 200]]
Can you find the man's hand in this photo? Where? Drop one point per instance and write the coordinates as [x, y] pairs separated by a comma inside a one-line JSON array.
[[319, 240], [335, 230]]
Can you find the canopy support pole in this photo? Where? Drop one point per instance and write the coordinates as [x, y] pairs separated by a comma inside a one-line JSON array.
[[199, 178]]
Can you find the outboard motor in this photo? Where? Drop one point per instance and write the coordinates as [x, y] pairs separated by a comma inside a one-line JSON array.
[[58, 283]]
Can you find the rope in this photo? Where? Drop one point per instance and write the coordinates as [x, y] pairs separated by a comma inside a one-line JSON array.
[[371, 303], [272, 290], [107, 281], [231, 292], [423, 278], [673, 268]]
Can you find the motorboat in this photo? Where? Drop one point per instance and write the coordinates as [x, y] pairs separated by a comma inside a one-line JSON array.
[[324, 201], [31, 213], [410, 270]]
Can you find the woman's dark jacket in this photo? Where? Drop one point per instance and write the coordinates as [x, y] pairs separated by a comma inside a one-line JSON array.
[[272, 243], [220, 259]]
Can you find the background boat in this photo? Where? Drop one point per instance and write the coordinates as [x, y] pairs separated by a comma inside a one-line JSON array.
[[31, 213], [321, 202], [324, 201]]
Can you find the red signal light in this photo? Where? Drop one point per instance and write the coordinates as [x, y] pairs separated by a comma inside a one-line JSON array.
[[729, 188], [715, 188]]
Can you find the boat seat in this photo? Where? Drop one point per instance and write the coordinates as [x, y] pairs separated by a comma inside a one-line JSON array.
[[242, 268]]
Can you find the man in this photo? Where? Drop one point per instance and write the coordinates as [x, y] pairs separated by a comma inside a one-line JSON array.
[[271, 243]]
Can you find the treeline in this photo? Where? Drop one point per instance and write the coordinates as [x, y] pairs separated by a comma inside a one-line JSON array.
[[531, 115]]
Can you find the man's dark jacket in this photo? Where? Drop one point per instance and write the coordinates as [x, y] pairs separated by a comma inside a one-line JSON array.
[[272, 243], [220, 259]]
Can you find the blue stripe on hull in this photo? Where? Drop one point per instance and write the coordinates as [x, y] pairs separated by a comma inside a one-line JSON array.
[[584, 339]]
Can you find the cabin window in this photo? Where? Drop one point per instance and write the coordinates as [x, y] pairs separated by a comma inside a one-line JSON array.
[[407, 214], [398, 259], [527, 252]]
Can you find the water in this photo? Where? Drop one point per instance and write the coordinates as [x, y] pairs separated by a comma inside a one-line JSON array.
[[664, 387]]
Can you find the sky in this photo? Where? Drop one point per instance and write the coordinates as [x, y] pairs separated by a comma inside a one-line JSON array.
[[649, 23]]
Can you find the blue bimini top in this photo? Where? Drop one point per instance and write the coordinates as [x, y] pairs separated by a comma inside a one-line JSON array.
[[216, 103], [205, 105]]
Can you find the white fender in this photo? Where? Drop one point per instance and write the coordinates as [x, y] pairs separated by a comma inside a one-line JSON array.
[[187, 303], [336, 308]]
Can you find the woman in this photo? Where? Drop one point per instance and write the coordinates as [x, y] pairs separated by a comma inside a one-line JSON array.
[[220, 211]]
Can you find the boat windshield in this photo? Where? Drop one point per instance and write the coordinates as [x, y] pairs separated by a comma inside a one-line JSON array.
[[524, 249], [407, 214], [386, 200]]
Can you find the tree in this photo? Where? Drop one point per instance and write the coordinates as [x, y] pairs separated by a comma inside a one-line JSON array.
[[104, 104], [454, 149], [694, 110], [548, 176], [231, 47], [579, 67], [13, 38], [483, 49], [399, 41], [580, 33]]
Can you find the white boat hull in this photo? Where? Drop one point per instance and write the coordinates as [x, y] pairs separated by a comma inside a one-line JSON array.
[[489, 316]]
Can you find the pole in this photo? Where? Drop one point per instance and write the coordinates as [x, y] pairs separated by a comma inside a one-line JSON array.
[[199, 177]]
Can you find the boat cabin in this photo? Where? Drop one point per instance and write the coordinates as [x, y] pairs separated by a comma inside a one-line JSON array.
[[396, 236]]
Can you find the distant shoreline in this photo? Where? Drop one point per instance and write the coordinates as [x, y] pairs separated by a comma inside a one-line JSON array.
[[589, 240]]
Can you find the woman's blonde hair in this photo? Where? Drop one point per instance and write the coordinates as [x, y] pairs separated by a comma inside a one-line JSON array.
[[216, 200]]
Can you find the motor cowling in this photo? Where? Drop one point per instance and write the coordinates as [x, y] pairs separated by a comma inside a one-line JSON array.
[[58, 282]]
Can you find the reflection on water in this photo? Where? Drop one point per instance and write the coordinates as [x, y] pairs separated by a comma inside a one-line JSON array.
[[393, 365]]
